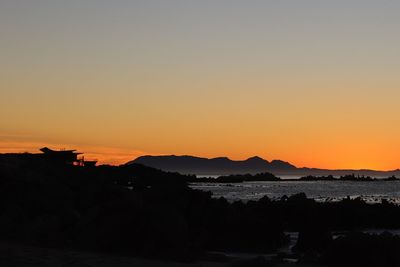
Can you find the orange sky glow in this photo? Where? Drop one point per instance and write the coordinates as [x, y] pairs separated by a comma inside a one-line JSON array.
[[316, 84]]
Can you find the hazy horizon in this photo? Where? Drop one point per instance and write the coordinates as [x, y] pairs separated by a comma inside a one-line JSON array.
[[309, 82]]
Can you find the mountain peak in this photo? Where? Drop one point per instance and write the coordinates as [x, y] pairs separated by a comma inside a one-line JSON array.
[[219, 165], [255, 158], [280, 164]]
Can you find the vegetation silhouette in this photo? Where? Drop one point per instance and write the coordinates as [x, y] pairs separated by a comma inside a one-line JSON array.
[[364, 250], [141, 211]]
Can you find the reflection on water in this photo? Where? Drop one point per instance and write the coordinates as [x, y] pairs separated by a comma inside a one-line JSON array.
[[371, 192]]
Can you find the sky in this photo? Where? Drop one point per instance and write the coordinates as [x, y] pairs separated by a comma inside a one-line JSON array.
[[315, 83]]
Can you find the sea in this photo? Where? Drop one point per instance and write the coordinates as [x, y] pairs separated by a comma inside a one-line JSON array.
[[322, 191], [371, 191]]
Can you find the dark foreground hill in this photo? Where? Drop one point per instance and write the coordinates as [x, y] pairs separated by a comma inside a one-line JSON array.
[[254, 165], [139, 211]]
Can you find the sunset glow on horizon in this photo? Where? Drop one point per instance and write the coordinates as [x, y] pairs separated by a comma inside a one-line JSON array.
[[315, 84]]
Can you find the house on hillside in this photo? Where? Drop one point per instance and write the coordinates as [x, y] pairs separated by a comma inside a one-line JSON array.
[[60, 156], [48, 156], [66, 157]]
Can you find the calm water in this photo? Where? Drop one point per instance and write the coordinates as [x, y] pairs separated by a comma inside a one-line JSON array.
[[320, 190]]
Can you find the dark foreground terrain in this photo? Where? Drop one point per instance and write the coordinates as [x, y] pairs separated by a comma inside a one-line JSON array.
[[136, 211]]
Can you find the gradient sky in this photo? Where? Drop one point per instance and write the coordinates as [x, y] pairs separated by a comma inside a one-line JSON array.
[[316, 83]]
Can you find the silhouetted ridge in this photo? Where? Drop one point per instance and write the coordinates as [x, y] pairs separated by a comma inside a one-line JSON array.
[[252, 165], [257, 159], [220, 165], [282, 165]]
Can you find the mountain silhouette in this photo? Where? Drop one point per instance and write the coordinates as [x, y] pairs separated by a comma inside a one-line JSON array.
[[220, 165], [225, 166]]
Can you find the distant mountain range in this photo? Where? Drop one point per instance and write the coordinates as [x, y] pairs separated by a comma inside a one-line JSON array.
[[253, 165]]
